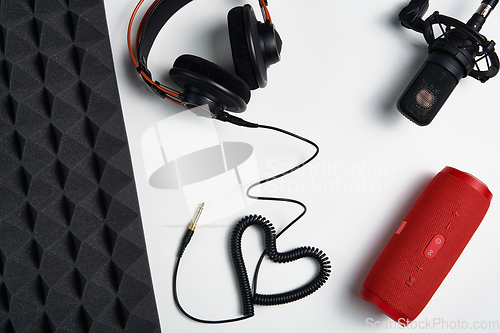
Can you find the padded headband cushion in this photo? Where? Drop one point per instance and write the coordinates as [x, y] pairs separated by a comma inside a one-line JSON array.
[[214, 72], [239, 47]]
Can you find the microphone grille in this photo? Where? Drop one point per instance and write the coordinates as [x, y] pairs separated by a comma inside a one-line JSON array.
[[425, 98], [427, 93]]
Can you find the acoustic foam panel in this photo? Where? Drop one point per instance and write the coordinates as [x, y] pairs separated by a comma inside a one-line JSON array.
[[72, 249]]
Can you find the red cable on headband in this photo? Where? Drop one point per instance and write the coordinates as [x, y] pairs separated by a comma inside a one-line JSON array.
[[266, 11], [170, 95], [141, 25]]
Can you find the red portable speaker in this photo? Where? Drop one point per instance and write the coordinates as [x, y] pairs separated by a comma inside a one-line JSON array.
[[426, 245]]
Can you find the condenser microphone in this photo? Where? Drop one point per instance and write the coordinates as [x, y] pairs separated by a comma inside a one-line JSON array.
[[452, 57], [426, 245]]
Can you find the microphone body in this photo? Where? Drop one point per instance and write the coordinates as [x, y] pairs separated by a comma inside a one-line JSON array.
[[426, 245], [452, 57], [448, 62]]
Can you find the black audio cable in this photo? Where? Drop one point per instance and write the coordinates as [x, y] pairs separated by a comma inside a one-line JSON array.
[[249, 298]]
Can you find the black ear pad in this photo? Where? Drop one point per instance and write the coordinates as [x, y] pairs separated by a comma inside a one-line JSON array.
[[254, 45], [239, 47], [202, 77]]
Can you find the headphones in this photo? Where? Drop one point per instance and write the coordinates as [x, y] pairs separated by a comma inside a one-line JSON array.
[[206, 88]]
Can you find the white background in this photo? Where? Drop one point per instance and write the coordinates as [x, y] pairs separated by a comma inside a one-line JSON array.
[[344, 64]]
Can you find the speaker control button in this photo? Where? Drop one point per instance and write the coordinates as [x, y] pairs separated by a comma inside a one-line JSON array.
[[434, 246], [411, 281]]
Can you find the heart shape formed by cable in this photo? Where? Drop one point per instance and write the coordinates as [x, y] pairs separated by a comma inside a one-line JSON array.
[[248, 299]]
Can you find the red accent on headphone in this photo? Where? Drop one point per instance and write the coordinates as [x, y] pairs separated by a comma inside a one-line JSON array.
[[169, 93]]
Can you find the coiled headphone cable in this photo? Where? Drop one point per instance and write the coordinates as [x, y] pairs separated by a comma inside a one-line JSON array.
[[248, 298]]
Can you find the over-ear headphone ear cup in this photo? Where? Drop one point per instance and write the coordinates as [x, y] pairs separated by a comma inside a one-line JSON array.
[[239, 47], [255, 45], [214, 72], [204, 77]]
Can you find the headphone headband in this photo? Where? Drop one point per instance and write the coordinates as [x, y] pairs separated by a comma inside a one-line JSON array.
[[160, 14]]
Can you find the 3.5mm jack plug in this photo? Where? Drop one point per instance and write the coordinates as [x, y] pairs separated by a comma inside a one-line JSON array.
[[190, 231]]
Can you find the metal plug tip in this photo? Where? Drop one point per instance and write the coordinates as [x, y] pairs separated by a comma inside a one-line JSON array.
[[194, 222]]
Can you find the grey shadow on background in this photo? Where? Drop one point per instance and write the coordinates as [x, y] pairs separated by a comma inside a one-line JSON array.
[[389, 95]]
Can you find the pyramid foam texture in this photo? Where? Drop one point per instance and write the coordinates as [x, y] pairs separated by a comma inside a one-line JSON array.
[[72, 250]]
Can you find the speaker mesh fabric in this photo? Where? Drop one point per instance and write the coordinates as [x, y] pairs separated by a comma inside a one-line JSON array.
[[402, 276], [425, 96], [72, 249]]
